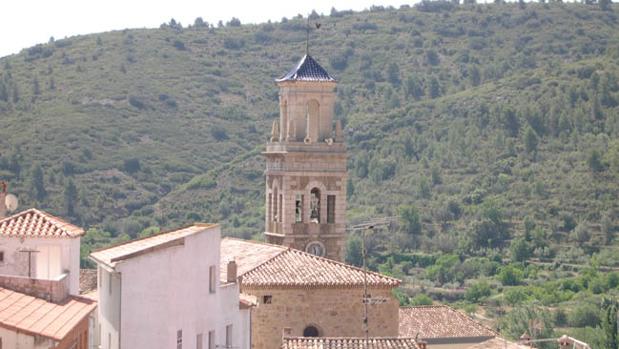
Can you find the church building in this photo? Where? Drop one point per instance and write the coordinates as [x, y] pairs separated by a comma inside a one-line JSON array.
[[306, 166]]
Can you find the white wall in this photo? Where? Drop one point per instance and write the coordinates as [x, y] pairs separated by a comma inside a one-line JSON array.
[[168, 290], [68, 258], [108, 308], [14, 340]]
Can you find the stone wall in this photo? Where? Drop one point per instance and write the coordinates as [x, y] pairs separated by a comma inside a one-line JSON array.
[[335, 312], [51, 290]]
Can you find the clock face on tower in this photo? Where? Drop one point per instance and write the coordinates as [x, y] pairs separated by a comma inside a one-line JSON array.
[[316, 248]]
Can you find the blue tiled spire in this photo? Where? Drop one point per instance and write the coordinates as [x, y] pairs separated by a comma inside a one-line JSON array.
[[307, 70]]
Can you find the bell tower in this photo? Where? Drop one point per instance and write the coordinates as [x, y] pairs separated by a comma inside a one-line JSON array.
[[306, 165]]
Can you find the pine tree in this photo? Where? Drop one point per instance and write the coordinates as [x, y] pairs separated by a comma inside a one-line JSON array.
[[38, 184], [609, 324], [530, 140], [70, 197]]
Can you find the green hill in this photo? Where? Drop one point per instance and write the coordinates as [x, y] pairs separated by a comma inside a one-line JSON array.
[[475, 125]]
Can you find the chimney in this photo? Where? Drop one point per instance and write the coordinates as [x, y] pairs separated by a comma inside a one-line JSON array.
[[564, 342], [2, 199], [231, 274], [525, 339], [422, 344], [287, 332]]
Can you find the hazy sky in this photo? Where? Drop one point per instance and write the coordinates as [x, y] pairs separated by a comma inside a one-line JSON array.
[[25, 23]]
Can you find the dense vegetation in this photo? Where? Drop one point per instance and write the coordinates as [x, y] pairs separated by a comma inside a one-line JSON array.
[[488, 132]]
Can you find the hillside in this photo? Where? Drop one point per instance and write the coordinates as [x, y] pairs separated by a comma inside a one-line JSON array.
[[480, 127]]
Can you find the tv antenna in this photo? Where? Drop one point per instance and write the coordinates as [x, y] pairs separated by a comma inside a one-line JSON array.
[[10, 201], [367, 299]]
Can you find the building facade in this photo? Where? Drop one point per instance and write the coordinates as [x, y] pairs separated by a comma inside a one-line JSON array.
[[39, 284], [309, 295], [164, 291], [306, 166]]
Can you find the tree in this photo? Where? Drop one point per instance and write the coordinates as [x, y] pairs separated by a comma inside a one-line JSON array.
[[234, 22], [70, 197], [393, 74], [410, 222], [530, 318], [530, 140], [434, 88], [520, 250], [605, 5], [609, 324], [477, 292], [510, 275], [594, 161], [354, 253], [38, 184], [199, 23], [36, 89], [413, 87]]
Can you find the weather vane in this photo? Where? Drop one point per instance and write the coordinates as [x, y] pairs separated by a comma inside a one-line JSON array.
[[309, 28]]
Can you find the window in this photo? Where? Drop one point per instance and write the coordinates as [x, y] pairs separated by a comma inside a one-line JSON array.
[[316, 248], [310, 331], [267, 299], [212, 281], [330, 208], [279, 209], [199, 341], [275, 205], [270, 207], [315, 205], [298, 208], [109, 340], [1, 256], [109, 283], [211, 340], [179, 339], [229, 336]]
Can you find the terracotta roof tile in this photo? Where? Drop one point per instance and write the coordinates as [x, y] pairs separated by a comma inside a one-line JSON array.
[[264, 265], [35, 316], [440, 321], [498, 343], [38, 224], [348, 343], [112, 255]]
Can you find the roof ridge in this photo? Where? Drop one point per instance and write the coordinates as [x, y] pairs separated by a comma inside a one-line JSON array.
[[332, 261], [265, 262], [205, 225], [56, 221]]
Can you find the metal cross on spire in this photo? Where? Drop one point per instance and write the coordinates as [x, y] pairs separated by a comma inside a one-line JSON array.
[[308, 29]]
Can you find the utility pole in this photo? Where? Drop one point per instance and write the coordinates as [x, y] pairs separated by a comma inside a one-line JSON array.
[[364, 227]]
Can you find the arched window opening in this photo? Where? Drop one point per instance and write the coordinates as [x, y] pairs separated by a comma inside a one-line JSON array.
[[298, 208], [275, 205], [331, 209], [312, 121], [315, 205], [310, 331]]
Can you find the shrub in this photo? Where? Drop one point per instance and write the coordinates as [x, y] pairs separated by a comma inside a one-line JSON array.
[[477, 292], [510, 275], [421, 299], [584, 314]]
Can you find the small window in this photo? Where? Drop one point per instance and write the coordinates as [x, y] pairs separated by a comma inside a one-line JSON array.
[[212, 281], [1, 261], [211, 340], [298, 208], [179, 339], [109, 283], [279, 210], [229, 336], [267, 299], [275, 206], [330, 208], [199, 341]]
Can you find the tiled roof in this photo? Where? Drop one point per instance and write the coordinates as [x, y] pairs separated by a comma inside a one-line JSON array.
[[247, 301], [247, 254], [38, 224], [348, 343], [88, 280], [38, 317], [498, 343], [307, 70], [264, 265], [112, 255], [440, 321]]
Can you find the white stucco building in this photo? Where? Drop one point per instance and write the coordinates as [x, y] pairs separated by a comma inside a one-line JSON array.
[[39, 284], [164, 292]]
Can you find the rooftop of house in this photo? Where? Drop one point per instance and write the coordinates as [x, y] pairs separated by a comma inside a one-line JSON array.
[[34, 223], [307, 70], [112, 255], [348, 343], [38, 317], [498, 343], [436, 322], [264, 265]]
